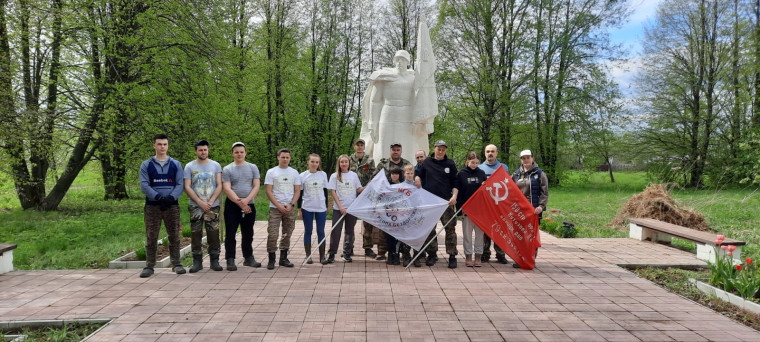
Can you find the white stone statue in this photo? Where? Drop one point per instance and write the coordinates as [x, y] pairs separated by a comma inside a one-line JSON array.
[[400, 105]]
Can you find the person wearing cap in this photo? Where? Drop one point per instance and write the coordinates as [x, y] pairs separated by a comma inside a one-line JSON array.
[[364, 166], [241, 181], [533, 182], [439, 173], [394, 160], [161, 181], [283, 186], [203, 180], [489, 166]]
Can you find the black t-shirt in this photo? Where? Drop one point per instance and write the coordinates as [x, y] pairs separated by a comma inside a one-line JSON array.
[[438, 176]]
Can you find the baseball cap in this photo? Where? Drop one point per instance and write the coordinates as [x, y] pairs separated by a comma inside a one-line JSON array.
[[525, 153], [396, 144], [239, 143], [440, 143], [360, 140]]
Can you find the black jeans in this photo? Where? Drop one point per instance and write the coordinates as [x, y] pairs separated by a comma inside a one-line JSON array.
[[234, 217]]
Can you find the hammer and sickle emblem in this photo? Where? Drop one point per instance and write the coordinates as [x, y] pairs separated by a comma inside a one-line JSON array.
[[497, 186]]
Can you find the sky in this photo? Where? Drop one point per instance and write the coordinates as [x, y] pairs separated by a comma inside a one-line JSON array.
[[630, 36]]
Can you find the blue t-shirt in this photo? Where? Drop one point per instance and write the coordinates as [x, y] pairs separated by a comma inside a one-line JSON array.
[[202, 178]]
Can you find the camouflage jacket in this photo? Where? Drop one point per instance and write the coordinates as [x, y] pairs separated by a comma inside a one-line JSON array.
[[365, 167]]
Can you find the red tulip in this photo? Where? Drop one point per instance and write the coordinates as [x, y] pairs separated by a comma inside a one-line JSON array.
[[718, 242], [732, 247], [721, 237], [724, 247], [749, 261], [738, 267], [729, 253]]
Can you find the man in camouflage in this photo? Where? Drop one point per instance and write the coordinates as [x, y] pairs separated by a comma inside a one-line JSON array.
[[386, 164], [364, 166]]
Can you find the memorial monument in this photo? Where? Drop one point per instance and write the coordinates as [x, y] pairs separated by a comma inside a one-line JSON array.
[[400, 104]]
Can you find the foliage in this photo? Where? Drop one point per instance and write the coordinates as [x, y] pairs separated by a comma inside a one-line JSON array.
[[548, 225], [71, 332], [140, 254], [742, 278], [567, 230], [186, 231]]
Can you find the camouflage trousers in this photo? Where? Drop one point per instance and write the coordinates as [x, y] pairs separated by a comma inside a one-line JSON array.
[[209, 219], [372, 235], [153, 217], [288, 222], [451, 234], [487, 247]]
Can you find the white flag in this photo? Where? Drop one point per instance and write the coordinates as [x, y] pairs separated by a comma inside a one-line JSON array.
[[402, 210]]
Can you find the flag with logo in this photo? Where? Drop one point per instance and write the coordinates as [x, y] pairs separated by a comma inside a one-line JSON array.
[[401, 210], [501, 210]]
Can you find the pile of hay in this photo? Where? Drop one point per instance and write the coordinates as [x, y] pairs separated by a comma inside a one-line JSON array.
[[656, 203]]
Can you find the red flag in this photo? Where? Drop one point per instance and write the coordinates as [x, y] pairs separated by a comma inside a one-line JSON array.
[[501, 210]]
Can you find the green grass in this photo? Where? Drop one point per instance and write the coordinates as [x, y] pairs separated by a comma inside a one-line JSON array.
[[70, 332], [87, 232]]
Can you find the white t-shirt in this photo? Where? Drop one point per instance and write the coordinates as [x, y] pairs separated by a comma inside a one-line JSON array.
[[313, 185], [346, 190], [283, 182]]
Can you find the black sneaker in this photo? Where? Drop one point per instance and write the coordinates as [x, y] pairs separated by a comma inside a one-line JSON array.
[[417, 262], [430, 260], [502, 259], [368, 252], [146, 272], [346, 257], [178, 269], [452, 261], [330, 258], [380, 257], [407, 259], [485, 258]]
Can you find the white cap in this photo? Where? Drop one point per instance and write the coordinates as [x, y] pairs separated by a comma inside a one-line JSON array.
[[525, 153], [239, 143]]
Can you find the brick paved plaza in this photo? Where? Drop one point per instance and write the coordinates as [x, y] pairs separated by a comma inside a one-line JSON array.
[[576, 293]]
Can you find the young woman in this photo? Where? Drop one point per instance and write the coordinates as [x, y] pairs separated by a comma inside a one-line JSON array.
[[468, 181], [313, 204], [344, 185]]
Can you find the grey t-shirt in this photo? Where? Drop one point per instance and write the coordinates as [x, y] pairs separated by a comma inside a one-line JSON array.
[[241, 178], [203, 179]]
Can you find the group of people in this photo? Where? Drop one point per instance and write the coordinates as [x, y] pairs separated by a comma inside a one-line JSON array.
[[162, 180]]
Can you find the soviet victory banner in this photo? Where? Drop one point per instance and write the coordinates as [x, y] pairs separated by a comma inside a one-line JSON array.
[[501, 210]]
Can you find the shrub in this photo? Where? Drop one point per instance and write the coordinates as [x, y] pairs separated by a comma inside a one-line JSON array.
[[567, 230], [548, 225], [140, 253], [186, 231]]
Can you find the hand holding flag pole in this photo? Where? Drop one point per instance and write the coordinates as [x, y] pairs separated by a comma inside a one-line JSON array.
[[417, 255]]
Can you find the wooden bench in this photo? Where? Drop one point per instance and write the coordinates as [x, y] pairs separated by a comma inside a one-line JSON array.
[[6, 257], [646, 229]]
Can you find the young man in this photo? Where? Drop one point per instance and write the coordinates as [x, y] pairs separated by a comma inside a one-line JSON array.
[[283, 186], [161, 181], [439, 173], [364, 166], [241, 181], [489, 166], [203, 178]]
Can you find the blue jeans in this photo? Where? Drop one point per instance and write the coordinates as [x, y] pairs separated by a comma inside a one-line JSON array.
[[308, 224]]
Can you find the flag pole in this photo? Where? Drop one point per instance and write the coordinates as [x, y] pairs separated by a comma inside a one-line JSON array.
[[417, 255], [324, 238]]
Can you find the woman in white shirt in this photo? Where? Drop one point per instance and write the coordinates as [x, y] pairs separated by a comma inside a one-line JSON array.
[[344, 185], [312, 204]]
